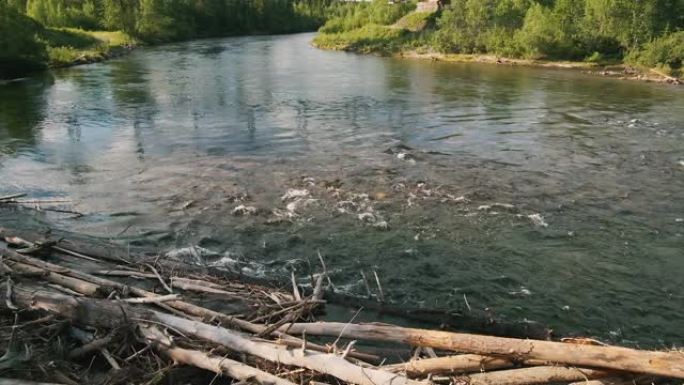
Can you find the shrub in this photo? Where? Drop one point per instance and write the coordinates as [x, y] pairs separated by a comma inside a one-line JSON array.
[[666, 53], [19, 48], [356, 15]]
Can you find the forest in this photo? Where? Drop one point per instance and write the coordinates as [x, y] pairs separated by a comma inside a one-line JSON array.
[[35, 33], [647, 33]]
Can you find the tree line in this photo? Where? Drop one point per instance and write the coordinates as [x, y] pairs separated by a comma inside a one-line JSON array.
[[25, 24], [647, 32], [164, 20], [564, 29]]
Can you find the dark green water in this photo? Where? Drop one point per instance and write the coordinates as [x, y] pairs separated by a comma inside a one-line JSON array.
[[544, 195]]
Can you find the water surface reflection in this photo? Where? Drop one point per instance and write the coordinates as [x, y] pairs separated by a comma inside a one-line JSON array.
[[440, 176]]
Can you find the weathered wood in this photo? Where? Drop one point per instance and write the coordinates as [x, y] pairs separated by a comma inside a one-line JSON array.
[[184, 285], [109, 314], [91, 346], [11, 197], [74, 284], [13, 381], [225, 366], [536, 375], [472, 321], [330, 364], [109, 252], [219, 365], [668, 364], [182, 306], [464, 363], [162, 298], [88, 339]]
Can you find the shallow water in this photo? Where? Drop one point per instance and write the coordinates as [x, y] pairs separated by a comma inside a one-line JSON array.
[[545, 195]]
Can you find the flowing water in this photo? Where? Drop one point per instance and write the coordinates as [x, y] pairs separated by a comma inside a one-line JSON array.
[[545, 195]]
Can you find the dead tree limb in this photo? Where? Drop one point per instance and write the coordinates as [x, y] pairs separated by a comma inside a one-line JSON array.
[[106, 313], [668, 364], [464, 363]]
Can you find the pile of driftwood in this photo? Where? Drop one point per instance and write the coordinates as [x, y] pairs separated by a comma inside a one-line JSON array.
[[71, 316]]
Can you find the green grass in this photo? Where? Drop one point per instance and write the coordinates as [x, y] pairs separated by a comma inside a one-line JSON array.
[[415, 21], [369, 38], [67, 46]]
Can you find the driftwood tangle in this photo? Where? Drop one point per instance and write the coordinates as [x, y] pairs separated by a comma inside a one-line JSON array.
[[141, 318]]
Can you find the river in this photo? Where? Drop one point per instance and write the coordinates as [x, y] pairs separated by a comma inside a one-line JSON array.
[[537, 194]]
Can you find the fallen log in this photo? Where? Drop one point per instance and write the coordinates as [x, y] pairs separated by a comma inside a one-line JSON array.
[[12, 381], [536, 375], [218, 365], [108, 314], [182, 306], [463, 363], [87, 339], [471, 321], [6, 198], [77, 285], [668, 364]]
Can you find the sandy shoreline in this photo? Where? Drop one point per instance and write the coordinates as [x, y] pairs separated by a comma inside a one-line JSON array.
[[618, 71]]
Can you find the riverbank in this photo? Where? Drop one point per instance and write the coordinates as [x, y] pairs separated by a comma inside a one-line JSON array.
[[399, 43], [613, 70], [535, 36], [68, 47]]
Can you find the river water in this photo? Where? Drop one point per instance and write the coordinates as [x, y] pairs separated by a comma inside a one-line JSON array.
[[542, 195]]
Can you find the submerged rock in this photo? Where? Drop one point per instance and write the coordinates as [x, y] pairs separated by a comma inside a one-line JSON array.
[[295, 193], [298, 203], [381, 225], [244, 210], [538, 220], [367, 217]]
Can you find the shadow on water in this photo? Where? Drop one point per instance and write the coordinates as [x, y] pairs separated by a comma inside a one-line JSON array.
[[22, 108]]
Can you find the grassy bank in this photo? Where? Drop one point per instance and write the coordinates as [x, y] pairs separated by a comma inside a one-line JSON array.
[[532, 34], [68, 46], [26, 45]]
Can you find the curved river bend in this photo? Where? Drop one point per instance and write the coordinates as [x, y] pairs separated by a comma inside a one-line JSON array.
[[538, 194]]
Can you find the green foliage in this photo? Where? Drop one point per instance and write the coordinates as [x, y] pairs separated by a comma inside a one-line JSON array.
[[555, 29], [665, 53], [544, 35], [351, 16], [415, 21], [643, 31], [68, 45], [15, 5], [61, 37], [369, 38], [63, 31], [168, 20], [19, 47], [64, 13], [592, 30]]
